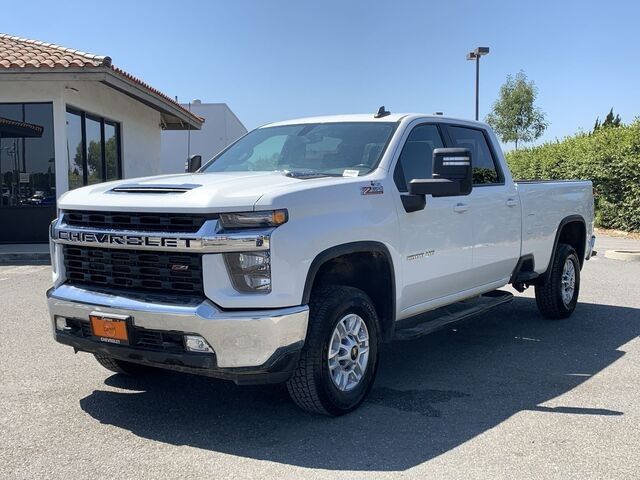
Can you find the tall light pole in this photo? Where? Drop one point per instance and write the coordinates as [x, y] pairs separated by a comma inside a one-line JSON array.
[[475, 55]]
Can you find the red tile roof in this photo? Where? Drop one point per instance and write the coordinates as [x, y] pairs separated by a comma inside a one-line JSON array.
[[20, 53], [16, 52]]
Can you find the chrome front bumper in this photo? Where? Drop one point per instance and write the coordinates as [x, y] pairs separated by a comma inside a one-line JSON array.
[[238, 338]]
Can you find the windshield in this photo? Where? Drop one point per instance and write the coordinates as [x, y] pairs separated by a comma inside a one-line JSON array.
[[349, 148]]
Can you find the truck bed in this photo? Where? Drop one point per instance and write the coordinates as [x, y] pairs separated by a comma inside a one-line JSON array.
[[545, 203]]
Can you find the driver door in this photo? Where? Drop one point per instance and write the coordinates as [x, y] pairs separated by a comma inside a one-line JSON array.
[[435, 242]]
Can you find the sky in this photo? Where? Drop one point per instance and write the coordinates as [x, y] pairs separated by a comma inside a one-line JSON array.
[[273, 60]]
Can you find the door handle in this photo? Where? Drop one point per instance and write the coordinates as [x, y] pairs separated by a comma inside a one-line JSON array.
[[461, 208], [511, 202]]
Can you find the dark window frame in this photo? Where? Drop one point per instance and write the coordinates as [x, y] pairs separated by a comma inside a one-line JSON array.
[[449, 143], [444, 140], [103, 160]]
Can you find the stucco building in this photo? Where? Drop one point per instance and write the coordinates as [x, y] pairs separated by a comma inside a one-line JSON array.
[[68, 119]]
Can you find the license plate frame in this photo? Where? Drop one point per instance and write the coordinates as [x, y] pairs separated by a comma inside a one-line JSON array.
[[110, 327]]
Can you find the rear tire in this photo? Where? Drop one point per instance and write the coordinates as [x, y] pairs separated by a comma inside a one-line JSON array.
[[558, 296], [338, 363], [125, 368]]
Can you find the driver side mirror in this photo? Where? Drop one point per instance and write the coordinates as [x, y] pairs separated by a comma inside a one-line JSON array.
[[193, 163], [452, 174]]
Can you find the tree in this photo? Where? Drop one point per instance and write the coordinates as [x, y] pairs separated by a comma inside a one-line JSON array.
[[514, 116], [609, 121]]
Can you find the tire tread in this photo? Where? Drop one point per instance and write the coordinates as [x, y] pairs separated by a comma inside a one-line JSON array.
[[547, 299], [122, 367], [302, 385]]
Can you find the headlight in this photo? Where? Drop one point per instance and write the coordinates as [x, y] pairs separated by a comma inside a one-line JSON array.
[[250, 272], [266, 218]]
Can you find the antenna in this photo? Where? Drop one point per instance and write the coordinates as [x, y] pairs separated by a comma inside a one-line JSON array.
[[382, 112]]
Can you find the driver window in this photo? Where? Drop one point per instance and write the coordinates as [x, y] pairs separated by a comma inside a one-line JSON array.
[[416, 158]]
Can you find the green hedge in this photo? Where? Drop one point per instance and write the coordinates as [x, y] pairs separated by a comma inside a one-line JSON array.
[[610, 158]]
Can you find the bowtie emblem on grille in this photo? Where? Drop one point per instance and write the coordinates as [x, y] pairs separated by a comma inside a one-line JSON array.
[[176, 267]]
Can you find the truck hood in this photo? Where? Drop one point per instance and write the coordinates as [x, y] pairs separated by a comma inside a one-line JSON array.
[[210, 192]]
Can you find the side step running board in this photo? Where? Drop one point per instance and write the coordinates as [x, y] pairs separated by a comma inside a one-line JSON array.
[[435, 320]]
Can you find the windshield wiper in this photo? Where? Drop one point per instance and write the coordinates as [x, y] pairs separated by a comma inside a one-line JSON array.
[[307, 174]]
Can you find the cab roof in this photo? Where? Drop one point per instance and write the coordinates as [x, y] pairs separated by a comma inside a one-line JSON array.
[[368, 117]]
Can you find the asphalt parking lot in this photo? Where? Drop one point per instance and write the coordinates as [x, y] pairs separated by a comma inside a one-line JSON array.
[[508, 395]]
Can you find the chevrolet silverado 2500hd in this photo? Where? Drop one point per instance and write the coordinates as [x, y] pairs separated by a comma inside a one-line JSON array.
[[295, 252]]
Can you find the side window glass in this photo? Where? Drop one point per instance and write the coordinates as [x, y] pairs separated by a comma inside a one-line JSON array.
[[417, 155], [484, 168]]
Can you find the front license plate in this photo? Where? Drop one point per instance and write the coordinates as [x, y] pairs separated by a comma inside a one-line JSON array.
[[110, 328]]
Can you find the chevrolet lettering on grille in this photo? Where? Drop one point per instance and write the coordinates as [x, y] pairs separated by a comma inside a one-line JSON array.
[[209, 238], [113, 239]]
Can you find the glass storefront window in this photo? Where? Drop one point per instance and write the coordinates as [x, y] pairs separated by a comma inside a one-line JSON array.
[[27, 160], [93, 145], [94, 151], [111, 139], [74, 150]]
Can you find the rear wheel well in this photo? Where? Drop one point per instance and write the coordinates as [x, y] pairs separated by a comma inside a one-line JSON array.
[[369, 271], [574, 233]]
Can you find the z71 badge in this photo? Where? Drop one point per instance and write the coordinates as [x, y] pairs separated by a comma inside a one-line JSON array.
[[374, 188]]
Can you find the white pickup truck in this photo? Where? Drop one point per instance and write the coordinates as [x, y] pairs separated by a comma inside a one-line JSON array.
[[295, 252]]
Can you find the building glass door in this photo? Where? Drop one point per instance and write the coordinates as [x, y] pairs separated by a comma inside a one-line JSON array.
[[27, 172]]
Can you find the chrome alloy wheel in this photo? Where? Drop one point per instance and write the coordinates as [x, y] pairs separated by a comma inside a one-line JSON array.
[[568, 281], [348, 353]]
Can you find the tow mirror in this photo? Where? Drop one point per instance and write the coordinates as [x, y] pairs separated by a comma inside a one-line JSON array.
[[193, 163], [452, 174]]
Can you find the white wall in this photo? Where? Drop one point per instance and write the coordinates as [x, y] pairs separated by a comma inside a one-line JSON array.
[[139, 124], [221, 127]]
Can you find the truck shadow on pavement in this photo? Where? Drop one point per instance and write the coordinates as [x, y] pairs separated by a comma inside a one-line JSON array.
[[432, 394]]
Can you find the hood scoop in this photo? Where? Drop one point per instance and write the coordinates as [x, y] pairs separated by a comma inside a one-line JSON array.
[[154, 188]]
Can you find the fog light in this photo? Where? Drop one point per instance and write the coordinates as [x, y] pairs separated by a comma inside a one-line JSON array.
[[195, 343], [61, 324]]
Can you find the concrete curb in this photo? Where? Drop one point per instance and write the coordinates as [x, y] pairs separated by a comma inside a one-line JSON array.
[[624, 255]]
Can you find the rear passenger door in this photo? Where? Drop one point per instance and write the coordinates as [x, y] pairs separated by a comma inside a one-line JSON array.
[[436, 241], [494, 208]]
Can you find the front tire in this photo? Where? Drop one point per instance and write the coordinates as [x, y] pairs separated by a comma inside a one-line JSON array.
[[558, 296], [126, 368], [338, 363]]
